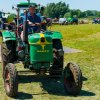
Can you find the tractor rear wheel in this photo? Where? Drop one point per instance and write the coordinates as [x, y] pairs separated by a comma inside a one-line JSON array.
[[58, 57], [72, 79], [8, 53], [10, 80]]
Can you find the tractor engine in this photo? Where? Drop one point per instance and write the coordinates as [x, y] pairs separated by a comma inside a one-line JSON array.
[[41, 51]]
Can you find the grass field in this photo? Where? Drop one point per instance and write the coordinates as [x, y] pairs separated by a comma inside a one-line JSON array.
[[82, 37]]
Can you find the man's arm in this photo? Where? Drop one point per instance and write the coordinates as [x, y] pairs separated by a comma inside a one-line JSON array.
[[38, 23], [33, 24]]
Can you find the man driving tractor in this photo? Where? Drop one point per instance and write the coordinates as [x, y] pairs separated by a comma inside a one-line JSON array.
[[34, 21]]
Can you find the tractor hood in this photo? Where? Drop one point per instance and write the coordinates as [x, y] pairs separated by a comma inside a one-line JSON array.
[[41, 48], [39, 38]]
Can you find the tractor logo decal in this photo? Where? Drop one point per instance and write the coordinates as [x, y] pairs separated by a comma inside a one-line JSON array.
[[42, 44]]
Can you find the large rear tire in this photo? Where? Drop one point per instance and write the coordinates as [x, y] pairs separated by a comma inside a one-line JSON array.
[[8, 53], [10, 80], [58, 58], [72, 79]]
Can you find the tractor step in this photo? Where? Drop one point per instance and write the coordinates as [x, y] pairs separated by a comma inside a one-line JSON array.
[[28, 72]]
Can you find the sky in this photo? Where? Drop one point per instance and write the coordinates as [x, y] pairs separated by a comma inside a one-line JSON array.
[[83, 5]]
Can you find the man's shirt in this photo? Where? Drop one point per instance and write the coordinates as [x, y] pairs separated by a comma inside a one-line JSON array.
[[34, 19]]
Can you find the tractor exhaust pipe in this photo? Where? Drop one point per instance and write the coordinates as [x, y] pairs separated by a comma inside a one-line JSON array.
[[25, 29]]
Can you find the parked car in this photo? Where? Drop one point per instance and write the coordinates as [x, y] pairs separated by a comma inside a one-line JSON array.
[[96, 21], [62, 21]]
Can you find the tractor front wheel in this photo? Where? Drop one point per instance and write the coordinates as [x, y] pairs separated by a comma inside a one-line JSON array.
[[10, 80], [72, 79], [58, 58]]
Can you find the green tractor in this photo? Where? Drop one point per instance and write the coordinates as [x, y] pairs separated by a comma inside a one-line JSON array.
[[40, 52]]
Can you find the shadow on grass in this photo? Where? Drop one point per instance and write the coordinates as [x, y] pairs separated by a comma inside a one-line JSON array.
[[51, 86], [23, 96], [84, 78], [86, 93]]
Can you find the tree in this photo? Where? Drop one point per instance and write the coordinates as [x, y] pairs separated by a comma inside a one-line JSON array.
[[60, 9], [56, 10], [68, 14], [98, 14], [83, 15], [76, 12], [89, 13]]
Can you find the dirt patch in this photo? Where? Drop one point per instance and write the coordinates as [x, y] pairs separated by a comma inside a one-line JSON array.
[[71, 50]]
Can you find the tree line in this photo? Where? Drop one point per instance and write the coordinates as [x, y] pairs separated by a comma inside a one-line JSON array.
[[61, 9]]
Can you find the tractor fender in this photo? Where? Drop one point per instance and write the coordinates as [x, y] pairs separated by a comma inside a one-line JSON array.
[[54, 34], [8, 35]]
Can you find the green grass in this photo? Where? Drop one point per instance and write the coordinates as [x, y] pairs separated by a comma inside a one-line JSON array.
[[82, 37]]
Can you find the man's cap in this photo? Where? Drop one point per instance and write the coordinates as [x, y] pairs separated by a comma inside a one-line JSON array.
[[24, 10], [32, 5]]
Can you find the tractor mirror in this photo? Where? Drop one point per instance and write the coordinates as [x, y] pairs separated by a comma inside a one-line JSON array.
[[12, 7], [42, 8], [8, 12], [3, 14]]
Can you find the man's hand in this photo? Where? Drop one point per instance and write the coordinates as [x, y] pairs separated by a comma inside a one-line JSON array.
[[32, 24], [37, 24]]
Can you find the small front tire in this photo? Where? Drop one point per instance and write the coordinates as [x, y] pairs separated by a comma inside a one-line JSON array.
[[10, 80], [72, 77]]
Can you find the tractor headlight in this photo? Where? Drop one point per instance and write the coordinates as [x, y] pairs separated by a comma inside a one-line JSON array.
[[42, 39], [61, 52], [21, 54]]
